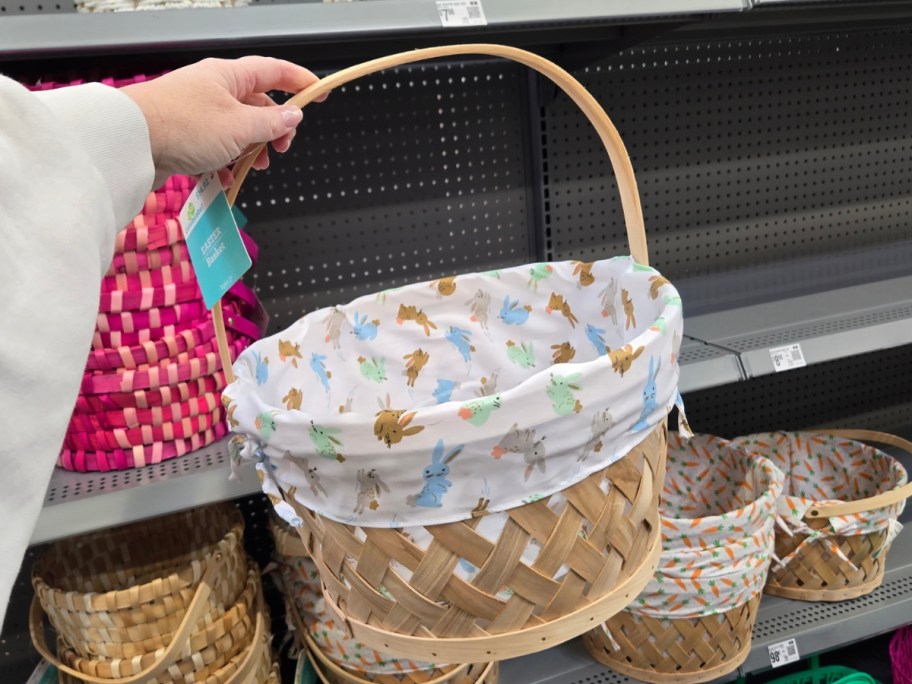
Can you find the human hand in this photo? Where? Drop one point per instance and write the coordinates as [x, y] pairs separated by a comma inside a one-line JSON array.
[[203, 116]]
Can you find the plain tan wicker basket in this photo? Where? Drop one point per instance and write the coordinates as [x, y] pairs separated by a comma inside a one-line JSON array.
[[684, 651], [179, 572], [818, 574], [596, 552]]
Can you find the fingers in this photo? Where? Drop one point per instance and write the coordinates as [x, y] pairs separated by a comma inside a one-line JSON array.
[[261, 74], [226, 177], [263, 124], [261, 163]]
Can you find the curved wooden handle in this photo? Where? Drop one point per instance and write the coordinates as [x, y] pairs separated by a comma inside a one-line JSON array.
[[244, 673], [195, 611], [611, 139], [872, 503]]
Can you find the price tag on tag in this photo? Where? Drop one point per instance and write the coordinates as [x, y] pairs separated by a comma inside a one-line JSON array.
[[783, 653], [216, 250], [461, 13], [787, 357]]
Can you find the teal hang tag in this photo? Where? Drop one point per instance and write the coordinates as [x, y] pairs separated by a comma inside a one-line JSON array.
[[216, 250]]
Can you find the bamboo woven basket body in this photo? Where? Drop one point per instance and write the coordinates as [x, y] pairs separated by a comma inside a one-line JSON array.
[[328, 672], [697, 640], [818, 572], [171, 599], [310, 623], [683, 650], [595, 546]]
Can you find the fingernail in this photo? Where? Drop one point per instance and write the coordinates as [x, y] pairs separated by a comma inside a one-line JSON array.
[[291, 116]]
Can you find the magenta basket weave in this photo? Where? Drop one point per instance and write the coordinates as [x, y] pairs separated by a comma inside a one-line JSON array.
[[123, 418], [120, 459], [146, 435], [901, 655], [136, 261], [153, 398]]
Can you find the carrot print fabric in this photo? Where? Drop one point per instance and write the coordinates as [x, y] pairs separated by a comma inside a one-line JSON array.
[[822, 468], [718, 516]]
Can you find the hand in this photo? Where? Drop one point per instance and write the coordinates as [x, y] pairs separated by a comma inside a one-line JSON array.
[[203, 116]]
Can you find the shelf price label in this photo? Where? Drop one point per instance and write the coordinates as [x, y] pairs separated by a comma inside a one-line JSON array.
[[787, 358], [783, 653], [461, 13]]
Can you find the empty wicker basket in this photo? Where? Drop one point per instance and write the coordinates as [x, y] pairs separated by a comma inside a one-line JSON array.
[[693, 622], [840, 507]]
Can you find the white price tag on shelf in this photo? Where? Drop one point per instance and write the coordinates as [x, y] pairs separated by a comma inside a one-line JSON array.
[[788, 357], [783, 653], [461, 13]]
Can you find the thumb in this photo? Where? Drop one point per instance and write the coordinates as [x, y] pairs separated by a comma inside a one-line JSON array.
[[264, 124]]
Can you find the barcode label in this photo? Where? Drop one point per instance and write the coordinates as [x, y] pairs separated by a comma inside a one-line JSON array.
[[783, 653], [461, 13], [787, 358]]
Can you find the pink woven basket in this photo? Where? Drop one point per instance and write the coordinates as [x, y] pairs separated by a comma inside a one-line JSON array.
[[146, 298], [901, 655], [156, 317], [121, 459], [167, 346], [159, 397], [136, 417], [192, 365], [136, 261], [166, 275], [145, 435]]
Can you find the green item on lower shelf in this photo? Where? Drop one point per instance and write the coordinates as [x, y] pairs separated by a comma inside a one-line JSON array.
[[828, 674], [304, 672]]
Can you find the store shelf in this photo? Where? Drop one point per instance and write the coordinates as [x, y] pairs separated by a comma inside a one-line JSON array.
[[828, 325], [704, 366], [816, 627], [43, 33], [81, 502]]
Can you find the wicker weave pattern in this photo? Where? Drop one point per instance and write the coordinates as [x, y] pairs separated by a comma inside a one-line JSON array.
[[818, 574], [587, 549], [141, 573], [680, 650]]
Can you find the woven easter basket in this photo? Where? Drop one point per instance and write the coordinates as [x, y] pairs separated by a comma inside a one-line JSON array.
[[328, 672], [315, 631], [563, 559], [697, 642], [835, 567], [152, 585]]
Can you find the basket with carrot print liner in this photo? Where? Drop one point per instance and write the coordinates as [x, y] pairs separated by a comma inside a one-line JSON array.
[[693, 621], [839, 511]]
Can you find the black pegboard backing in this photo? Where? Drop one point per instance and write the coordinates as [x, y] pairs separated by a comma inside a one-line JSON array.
[[869, 391], [402, 177], [746, 151]]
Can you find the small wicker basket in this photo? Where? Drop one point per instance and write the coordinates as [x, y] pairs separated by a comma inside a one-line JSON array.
[[158, 601], [693, 623], [867, 490]]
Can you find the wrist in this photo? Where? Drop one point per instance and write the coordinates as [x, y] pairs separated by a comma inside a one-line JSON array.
[[158, 131]]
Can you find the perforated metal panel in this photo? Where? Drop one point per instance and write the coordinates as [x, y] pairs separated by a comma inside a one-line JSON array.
[[746, 151], [403, 177], [870, 391]]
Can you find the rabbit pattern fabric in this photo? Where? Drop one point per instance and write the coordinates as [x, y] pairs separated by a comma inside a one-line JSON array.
[[519, 382]]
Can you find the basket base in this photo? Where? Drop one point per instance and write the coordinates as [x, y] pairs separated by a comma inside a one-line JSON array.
[[510, 644], [685, 650], [802, 594], [666, 677]]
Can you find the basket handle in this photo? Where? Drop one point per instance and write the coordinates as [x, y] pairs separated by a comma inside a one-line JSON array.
[[169, 656], [872, 503], [617, 153]]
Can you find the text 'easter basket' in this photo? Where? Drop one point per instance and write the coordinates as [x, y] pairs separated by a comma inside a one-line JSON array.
[[474, 463]]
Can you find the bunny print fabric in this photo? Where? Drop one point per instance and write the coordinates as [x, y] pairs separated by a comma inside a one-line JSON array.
[[718, 519], [402, 408], [824, 468]]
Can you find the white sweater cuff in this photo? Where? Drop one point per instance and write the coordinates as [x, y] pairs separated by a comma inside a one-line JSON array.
[[112, 130]]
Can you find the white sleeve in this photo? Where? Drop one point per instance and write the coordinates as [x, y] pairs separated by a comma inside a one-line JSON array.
[[76, 167]]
